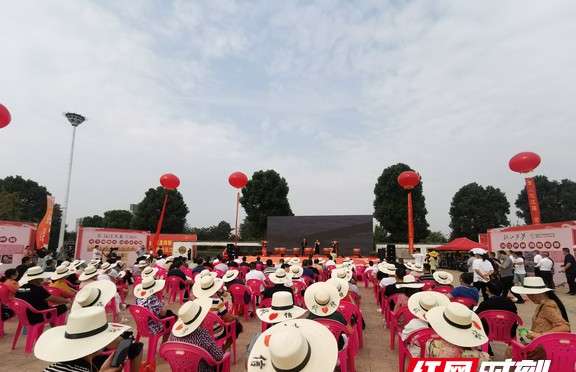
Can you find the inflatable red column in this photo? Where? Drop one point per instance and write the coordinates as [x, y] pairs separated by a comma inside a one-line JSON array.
[[523, 163], [409, 180], [168, 182]]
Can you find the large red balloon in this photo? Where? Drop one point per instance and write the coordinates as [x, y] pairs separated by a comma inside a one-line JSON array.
[[169, 181], [524, 162], [5, 117], [238, 180], [409, 179]]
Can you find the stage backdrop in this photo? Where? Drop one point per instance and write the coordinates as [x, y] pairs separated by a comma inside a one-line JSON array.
[[354, 231], [14, 238]]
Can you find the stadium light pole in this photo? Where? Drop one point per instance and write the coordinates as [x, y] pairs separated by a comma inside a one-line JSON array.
[[75, 120]]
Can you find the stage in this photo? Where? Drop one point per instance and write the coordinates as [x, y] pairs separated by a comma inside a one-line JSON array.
[[339, 260]]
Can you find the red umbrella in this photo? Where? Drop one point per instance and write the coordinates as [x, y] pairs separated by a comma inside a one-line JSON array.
[[460, 244]]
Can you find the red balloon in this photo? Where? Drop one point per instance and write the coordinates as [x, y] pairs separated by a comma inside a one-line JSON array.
[[238, 180], [169, 181], [524, 162], [409, 179], [5, 117]]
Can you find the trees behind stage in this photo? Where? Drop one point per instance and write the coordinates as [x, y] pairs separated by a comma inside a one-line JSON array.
[[557, 200], [148, 212], [117, 219]]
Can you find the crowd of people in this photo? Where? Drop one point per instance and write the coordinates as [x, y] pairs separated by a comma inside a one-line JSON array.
[[297, 301]]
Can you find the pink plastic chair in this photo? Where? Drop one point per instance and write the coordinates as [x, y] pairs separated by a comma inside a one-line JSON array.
[[219, 273], [560, 349], [298, 288], [420, 338], [350, 310], [243, 271], [359, 272], [446, 289], [122, 289], [111, 308], [376, 288], [265, 302], [255, 286], [4, 300], [137, 280], [141, 316], [428, 285], [500, 324], [399, 319], [173, 285], [34, 331], [57, 292], [367, 277], [183, 357], [346, 356], [355, 297], [466, 301], [211, 320], [238, 292], [398, 299]]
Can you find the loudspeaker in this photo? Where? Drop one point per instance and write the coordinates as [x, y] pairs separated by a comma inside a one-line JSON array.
[[391, 252], [381, 253], [231, 251]]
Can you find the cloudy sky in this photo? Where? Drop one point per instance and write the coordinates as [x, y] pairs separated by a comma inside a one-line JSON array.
[[327, 92]]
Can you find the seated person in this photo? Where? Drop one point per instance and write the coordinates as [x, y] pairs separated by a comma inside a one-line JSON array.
[[176, 271], [443, 279], [59, 281], [386, 274], [465, 289], [9, 280], [426, 274], [231, 277], [279, 278], [148, 296], [270, 268], [255, 274]]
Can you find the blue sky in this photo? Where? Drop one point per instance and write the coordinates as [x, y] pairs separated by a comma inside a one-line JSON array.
[[328, 93]]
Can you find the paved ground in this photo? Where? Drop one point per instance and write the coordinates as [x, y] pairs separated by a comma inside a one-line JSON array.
[[375, 356]]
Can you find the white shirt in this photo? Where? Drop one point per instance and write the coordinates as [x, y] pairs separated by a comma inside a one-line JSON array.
[[387, 281], [537, 260], [484, 266], [418, 259], [329, 263], [413, 325], [222, 267], [546, 264], [519, 266], [255, 274]]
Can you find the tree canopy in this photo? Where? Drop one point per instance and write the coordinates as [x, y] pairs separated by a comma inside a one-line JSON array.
[[117, 219], [220, 232], [557, 200], [435, 237], [148, 212], [475, 209], [266, 194], [390, 206]]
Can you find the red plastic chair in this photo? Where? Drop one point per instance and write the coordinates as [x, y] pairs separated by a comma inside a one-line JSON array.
[[20, 307], [367, 277], [376, 289], [211, 320], [57, 292], [173, 285], [111, 308], [500, 324], [298, 289], [398, 299], [243, 271], [428, 285], [359, 272], [122, 289], [560, 349], [348, 310], [346, 356], [137, 280], [183, 357], [446, 289], [466, 301], [309, 281], [238, 292], [265, 302], [219, 273], [255, 286], [400, 318], [355, 298], [420, 338], [141, 316]]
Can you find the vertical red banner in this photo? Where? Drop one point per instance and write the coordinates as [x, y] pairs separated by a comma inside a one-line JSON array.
[[533, 204], [160, 221], [43, 230], [410, 224]]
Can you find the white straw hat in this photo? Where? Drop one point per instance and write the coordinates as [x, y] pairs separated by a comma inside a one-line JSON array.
[[97, 293], [206, 286], [230, 275], [343, 274], [409, 281], [148, 287], [457, 324], [301, 345], [191, 315], [342, 286], [149, 271], [142, 264], [282, 309], [322, 299], [420, 303], [86, 332], [207, 272], [89, 272], [280, 276], [387, 268], [65, 263], [531, 285], [296, 271], [443, 277], [33, 273], [62, 272], [105, 267]]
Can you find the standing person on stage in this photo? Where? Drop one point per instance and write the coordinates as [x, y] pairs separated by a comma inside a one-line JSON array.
[[303, 244], [317, 246], [569, 268], [546, 266], [506, 266], [537, 259]]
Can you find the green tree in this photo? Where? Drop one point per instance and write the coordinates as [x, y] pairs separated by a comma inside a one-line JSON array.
[[476, 209], [557, 200], [435, 237], [380, 235], [390, 206], [118, 219], [92, 221], [10, 207], [213, 233], [148, 212], [266, 194]]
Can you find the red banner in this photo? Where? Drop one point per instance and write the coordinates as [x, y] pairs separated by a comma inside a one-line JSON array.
[[410, 224], [533, 201], [43, 231]]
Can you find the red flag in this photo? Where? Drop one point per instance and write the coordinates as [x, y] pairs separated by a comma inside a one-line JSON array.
[[43, 231], [533, 201]]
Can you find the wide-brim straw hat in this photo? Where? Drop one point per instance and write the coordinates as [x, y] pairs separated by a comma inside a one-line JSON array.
[[89, 272], [322, 299], [149, 271], [142, 264], [206, 286], [78, 263], [62, 272], [282, 309], [342, 286], [443, 277], [296, 271], [342, 273], [422, 302], [409, 281], [457, 324], [295, 345], [86, 332], [531, 285], [148, 287], [33, 273], [230, 275], [433, 254], [387, 268], [207, 272], [280, 276], [105, 268], [97, 293], [191, 315], [479, 251]]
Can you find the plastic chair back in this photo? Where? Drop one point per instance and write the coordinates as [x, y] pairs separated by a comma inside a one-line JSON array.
[[446, 289], [428, 285], [560, 349], [255, 286], [346, 355], [400, 317], [500, 324], [4, 294], [238, 292], [173, 284], [57, 292], [419, 338], [184, 357], [360, 272], [265, 302], [21, 308], [466, 301], [141, 316]]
